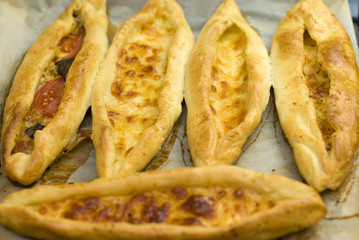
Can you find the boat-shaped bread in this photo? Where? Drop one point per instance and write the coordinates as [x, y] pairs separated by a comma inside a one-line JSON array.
[[227, 87], [139, 90], [222, 202], [316, 85], [51, 90]]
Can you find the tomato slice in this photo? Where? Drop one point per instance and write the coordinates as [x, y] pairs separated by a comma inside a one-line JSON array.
[[72, 43], [24, 146], [48, 97]]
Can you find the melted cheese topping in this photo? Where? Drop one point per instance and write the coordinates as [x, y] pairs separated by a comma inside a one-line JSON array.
[[141, 67], [212, 206], [318, 84], [25, 143], [228, 93]]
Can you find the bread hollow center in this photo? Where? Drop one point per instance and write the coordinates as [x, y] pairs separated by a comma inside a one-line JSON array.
[[229, 81], [141, 67], [205, 206], [318, 83], [50, 86]]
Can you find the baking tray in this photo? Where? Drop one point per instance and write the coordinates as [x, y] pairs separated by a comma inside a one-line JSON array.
[[266, 150]]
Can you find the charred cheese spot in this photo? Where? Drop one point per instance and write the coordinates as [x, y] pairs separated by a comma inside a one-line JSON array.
[[199, 206], [152, 58], [130, 73], [130, 119], [179, 193], [318, 84], [140, 70], [238, 193], [211, 206], [229, 74], [129, 60], [221, 194], [116, 89]]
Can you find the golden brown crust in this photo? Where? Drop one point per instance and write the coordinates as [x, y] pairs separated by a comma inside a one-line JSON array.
[[163, 95], [49, 142], [321, 122], [297, 206], [214, 137]]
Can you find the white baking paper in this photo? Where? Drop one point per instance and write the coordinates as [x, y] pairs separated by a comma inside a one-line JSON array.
[[266, 150]]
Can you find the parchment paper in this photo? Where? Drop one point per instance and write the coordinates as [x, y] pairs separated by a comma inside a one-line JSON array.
[[266, 150]]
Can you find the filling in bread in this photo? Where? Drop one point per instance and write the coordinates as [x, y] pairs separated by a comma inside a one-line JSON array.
[[212, 206], [50, 87], [228, 91], [141, 67], [318, 84]]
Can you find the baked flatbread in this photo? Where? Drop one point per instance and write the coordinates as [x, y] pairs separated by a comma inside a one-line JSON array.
[[227, 87], [224, 202], [316, 85], [138, 93], [51, 90]]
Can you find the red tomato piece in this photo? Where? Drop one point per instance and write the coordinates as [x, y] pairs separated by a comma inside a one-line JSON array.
[[72, 43], [24, 146], [48, 97]]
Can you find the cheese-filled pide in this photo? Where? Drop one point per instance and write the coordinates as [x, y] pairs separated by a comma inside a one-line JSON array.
[[222, 202], [138, 93], [51, 90], [316, 85], [227, 87]]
